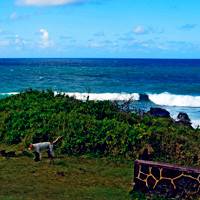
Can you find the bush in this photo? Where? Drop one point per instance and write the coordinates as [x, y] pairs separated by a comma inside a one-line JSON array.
[[96, 127]]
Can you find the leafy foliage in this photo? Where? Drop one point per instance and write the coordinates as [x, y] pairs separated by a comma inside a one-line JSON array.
[[95, 127]]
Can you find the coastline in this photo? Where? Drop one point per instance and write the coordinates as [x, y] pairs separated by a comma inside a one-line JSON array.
[[171, 102]]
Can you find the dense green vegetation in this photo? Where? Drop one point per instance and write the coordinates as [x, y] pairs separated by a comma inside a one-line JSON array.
[[100, 128]]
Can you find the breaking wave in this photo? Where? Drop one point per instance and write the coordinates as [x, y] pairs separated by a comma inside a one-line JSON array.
[[103, 96], [162, 99], [9, 93], [167, 99]]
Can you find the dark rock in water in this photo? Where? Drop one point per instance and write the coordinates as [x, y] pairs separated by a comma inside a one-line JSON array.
[[183, 116], [184, 119], [159, 112], [144, 97]]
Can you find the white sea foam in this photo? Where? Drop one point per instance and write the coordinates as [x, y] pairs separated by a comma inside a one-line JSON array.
[[167, 99], [103, 96], [195, 123], [9, 93]]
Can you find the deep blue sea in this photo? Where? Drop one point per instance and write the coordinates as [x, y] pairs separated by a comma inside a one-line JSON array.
[[170, 83]]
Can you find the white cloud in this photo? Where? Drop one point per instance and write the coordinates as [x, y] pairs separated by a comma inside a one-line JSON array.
[[47, 2], [45, 42], [13, 41], [4, 43], [95, 45], [100, 44], [140, 30], [19, 41], [15, 16]]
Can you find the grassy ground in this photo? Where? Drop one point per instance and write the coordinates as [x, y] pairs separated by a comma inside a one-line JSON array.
[[68, 178]]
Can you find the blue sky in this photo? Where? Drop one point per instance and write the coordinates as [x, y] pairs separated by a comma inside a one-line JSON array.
[[100, 28]]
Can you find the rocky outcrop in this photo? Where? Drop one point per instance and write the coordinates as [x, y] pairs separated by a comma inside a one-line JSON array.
[[144, 97], [183, 119], [158, 112]]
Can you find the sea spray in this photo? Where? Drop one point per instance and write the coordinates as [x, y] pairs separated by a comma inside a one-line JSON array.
[[167, 99], [102, 96]]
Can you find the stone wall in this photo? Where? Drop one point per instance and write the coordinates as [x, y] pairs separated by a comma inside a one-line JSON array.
[[170, 181]]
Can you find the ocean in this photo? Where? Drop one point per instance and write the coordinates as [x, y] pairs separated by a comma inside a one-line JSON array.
[[173, 84]]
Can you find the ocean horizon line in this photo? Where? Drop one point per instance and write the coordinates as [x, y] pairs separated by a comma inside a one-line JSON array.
[[100, 58]]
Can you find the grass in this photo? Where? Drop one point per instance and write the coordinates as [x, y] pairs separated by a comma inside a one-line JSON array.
[[71, 178]]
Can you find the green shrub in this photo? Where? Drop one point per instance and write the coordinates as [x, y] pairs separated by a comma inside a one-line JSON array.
[[94, 127]]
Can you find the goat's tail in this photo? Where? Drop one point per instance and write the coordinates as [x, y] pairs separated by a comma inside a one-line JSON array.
[[57, 139]]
